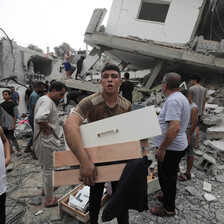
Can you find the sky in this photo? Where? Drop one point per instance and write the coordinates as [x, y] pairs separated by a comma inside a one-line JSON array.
[[48, 22]]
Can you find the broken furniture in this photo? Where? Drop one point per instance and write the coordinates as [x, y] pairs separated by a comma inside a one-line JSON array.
[[110, 143], [64, 207]]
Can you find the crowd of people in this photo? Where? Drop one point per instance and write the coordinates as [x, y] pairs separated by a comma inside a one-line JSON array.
[[178, 119]]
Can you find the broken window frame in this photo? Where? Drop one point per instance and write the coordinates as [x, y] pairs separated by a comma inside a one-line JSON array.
[[156, 2]]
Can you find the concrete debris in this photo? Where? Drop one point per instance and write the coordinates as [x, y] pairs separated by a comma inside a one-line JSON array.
[[220, 167], [219, 110], [193, 191], [219, 216], [207, 186], [220, 178], [211, 99], [211, 120], [206, 163], [35, 201], [39, 212], [210, 92], [198, 153], [219, 145], [210, 197], [23, 129], [215, 133]]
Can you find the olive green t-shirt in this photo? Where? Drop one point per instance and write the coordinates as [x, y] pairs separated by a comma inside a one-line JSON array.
[[94, 107]]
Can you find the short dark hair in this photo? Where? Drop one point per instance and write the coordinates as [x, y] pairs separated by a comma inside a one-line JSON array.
[[185, 92], [126, 75], [6, 91], [12, 87], [196, 77], [58, 86], [53, 80], [38, 84], [173, 80], [111, 67]]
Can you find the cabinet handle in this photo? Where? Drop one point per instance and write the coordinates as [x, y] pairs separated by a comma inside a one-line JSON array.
[[107, 132]]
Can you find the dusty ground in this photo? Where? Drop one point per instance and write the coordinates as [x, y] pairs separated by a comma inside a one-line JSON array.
[[24, 183]]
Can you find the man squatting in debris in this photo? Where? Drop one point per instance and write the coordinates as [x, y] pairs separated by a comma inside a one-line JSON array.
[[190, 132], [46, 136], [198, 94], [103, 104], [4, 161], [171, 145], [8, 116]]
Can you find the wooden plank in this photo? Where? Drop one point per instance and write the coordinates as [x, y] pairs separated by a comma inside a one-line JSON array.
[[105, 174], [106, 153]]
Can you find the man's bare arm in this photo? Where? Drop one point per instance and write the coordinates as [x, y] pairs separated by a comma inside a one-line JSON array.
[[73, 138], [169, 137], [14, 123]]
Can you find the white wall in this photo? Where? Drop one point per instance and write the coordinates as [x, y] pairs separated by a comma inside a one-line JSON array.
[[178, 27]]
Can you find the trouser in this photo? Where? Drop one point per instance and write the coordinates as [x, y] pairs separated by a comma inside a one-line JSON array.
[[2, 208], [30, 120], [47, 182], [96, 193], [45, 157], [167, 173], [12, 139]]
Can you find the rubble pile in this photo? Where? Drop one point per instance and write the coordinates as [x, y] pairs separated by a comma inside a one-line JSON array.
[[199, 200]]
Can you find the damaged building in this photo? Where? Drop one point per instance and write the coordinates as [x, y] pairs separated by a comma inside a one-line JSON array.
[[177, 35]]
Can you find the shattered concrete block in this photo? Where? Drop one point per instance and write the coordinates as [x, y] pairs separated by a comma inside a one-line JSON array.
[[218, 145], [211, 106], [210, 197], [212, 152], [215, 133], [207, 186], [221, 154], [198, 152], [206, 142], [206, 163], [220, 178], [211, 99], [219, 110], [193, 191], [210, 92], [212, 121], [220, 167]]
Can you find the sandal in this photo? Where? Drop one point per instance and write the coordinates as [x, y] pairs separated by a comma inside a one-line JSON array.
[[184, 177], [159, 197], [53, 204], [161, 211]]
